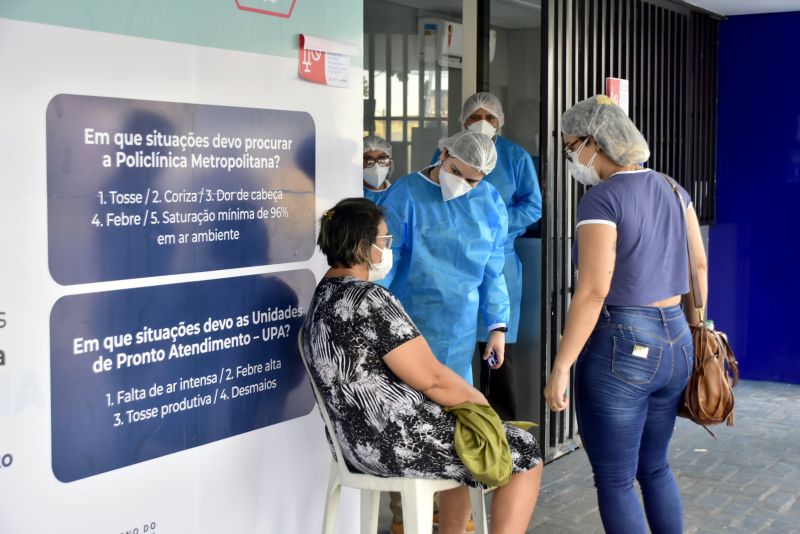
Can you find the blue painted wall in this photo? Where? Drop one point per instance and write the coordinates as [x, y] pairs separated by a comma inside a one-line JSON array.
[[755, 245]]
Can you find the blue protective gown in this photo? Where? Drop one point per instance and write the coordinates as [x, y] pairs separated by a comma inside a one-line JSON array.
[[376, 196], [448, 263], [515, 179]]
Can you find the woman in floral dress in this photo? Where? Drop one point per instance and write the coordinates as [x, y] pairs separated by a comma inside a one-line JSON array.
[[383, 387]]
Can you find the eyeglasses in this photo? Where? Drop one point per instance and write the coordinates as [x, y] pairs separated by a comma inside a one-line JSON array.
[[488, 117], [387, 240], [568, 148], [383, 161]]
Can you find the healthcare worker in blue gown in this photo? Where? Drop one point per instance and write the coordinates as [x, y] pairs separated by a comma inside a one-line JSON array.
[[378, 168], [449, 228], [515, 179]]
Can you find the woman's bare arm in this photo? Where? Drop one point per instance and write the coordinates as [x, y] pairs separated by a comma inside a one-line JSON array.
[[597, 256], [414, 363], [696, 243]]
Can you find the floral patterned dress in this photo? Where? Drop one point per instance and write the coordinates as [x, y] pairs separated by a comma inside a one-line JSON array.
[[385, 427]]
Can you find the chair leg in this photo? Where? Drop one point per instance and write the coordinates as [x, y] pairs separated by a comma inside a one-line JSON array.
[[478, 510], [332, 499], [370, 502], [417, 509]]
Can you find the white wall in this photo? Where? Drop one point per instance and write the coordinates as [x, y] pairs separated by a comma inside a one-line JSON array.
[[270, 480]]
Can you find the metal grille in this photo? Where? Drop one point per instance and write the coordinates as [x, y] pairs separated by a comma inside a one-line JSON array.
[[402, 93], [668, 53], [701, 166]]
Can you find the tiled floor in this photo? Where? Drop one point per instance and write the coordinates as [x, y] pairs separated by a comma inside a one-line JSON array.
[[746, 481]]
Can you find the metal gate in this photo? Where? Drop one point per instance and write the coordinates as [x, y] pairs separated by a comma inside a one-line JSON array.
[[668, 52]]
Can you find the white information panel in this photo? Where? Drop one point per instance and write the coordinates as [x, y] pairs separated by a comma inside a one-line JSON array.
[[161, 182]]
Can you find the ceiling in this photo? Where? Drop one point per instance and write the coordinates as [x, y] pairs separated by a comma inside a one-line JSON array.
[[746, 7], [510, 14], [513, 14]]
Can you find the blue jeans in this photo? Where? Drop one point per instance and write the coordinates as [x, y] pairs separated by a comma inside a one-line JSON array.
[[629, 382]]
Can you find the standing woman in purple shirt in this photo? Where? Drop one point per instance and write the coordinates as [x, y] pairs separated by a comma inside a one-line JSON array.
[[626, 327]]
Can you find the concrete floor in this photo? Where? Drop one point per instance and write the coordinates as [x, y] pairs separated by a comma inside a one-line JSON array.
[[745, 481]]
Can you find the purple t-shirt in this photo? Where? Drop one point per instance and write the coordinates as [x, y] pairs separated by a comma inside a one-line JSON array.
[[652, 262]]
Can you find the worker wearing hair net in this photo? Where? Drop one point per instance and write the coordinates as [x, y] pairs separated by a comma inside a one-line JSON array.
[[515, 179], [378, 168], [449, 229], [601, 125], [633, 228]]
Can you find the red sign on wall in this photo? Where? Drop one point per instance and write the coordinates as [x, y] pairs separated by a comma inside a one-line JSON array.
[[324, 61], [282, 8], [312, 65], [617, 91]]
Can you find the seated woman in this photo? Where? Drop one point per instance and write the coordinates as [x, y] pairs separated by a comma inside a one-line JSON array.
[[383, 387]]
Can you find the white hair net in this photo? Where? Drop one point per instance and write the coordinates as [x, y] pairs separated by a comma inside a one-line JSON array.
[[373, 142], [614, 132], [487, 101], [475, 149]]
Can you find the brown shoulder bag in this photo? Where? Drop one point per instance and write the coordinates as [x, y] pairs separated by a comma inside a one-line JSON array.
[[709, 394]]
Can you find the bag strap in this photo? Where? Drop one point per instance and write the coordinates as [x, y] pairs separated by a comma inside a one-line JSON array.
[[694, 280]]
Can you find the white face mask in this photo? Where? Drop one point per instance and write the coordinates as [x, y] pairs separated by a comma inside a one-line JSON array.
[[452, 186], [584, 174], [375, 176], [378, 271], [484, 127]]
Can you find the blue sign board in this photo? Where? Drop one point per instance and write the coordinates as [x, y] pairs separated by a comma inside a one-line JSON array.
[[145, 372], [140, 188]]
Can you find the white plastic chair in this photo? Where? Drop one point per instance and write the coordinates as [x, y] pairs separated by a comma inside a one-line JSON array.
[[416, 493]]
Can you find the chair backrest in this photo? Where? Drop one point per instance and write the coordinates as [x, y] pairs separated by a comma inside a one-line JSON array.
[[321, 402]]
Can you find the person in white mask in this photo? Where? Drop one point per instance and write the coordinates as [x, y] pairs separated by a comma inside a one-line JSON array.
[[385, 391], [626, 350], [515, 179], [378, 168], [449, 229]]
